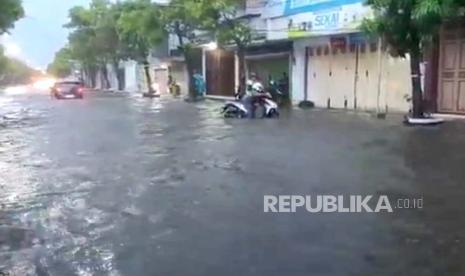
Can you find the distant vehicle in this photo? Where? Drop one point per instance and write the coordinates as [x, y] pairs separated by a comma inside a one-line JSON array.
[[68, 90]]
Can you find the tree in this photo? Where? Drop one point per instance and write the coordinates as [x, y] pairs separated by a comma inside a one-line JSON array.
[[81, 42], [107, 40], [229, 29], [139, 31], [82, 51], [94, 41], [62, 64], [3, 63], [182, 18], [187, 18], [10, 12], [407, 27], [15, 71]]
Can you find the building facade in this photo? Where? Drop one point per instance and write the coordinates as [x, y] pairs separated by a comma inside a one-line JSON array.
[[445, 71], [332, 63]]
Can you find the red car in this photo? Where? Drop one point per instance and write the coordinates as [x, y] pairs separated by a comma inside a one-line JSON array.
[[68, 90]]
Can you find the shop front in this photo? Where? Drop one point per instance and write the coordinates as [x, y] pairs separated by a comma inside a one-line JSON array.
[[351, 72], [332, 64], [271, 63], [220, 72]]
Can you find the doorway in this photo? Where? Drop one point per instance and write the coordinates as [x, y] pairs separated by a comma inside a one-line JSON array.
[[451, 84], [220, 72]]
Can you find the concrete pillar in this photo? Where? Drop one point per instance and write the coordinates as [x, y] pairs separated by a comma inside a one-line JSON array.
[[236, 71], [204, 63]]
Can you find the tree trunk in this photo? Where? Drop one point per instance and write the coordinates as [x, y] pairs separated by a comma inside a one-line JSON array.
[[92, 76], [148, 77], [417, 94], [189, 65], [190, 73], [118, 75], [242, 70], [85, 76], [106, 81]]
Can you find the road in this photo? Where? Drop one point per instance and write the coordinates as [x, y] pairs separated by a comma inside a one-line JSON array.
[[119, 185]]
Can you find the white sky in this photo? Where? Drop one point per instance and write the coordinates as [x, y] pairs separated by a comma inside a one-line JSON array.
[[37, 37]]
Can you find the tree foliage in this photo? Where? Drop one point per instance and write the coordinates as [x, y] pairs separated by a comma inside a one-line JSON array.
[[139, 30], [182, 19], [11, 70], [10, 12], [81, 41], [3, 62], [108, 31], [94, 40], [231, 30], [14, 71], [62, 64], [225, 22], [189, 19]]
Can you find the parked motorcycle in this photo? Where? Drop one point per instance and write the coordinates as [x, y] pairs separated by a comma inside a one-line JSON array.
[[276, 92], [238, 108]]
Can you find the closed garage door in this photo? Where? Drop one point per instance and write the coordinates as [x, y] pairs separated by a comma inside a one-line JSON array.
[[331, 77]]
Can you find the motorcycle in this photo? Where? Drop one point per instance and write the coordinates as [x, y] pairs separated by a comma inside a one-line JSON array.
[[238, 109], [276, 92]]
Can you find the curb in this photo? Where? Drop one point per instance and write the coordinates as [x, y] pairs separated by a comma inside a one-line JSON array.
[[449, 117], [219, 98]]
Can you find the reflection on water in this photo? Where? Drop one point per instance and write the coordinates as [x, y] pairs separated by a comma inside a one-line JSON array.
[[16, 90], [50, 221], [18, 189], [133, 186]]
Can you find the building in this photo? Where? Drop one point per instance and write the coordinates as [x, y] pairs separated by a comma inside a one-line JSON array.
[[317, 45], [332, 63], [267, 59], [445, 71]]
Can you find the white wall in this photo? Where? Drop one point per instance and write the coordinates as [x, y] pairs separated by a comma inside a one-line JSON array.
[[112, 78], [179, 73], [130, 74], [298, 67], [339, 85]]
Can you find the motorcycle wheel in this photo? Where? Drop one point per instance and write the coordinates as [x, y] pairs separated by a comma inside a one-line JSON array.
[[273, 114], [230, 111]]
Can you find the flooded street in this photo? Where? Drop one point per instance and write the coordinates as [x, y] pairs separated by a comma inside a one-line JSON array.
[[119, 185]]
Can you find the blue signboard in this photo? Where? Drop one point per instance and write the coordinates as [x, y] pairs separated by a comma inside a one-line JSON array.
[[301, 6]]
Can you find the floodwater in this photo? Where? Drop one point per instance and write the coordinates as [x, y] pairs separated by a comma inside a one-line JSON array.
[[119, 185]]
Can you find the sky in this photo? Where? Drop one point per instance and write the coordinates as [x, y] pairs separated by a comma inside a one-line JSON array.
[[37, 37]]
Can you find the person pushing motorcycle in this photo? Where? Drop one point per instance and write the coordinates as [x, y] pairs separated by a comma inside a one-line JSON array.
[[253, 89]]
